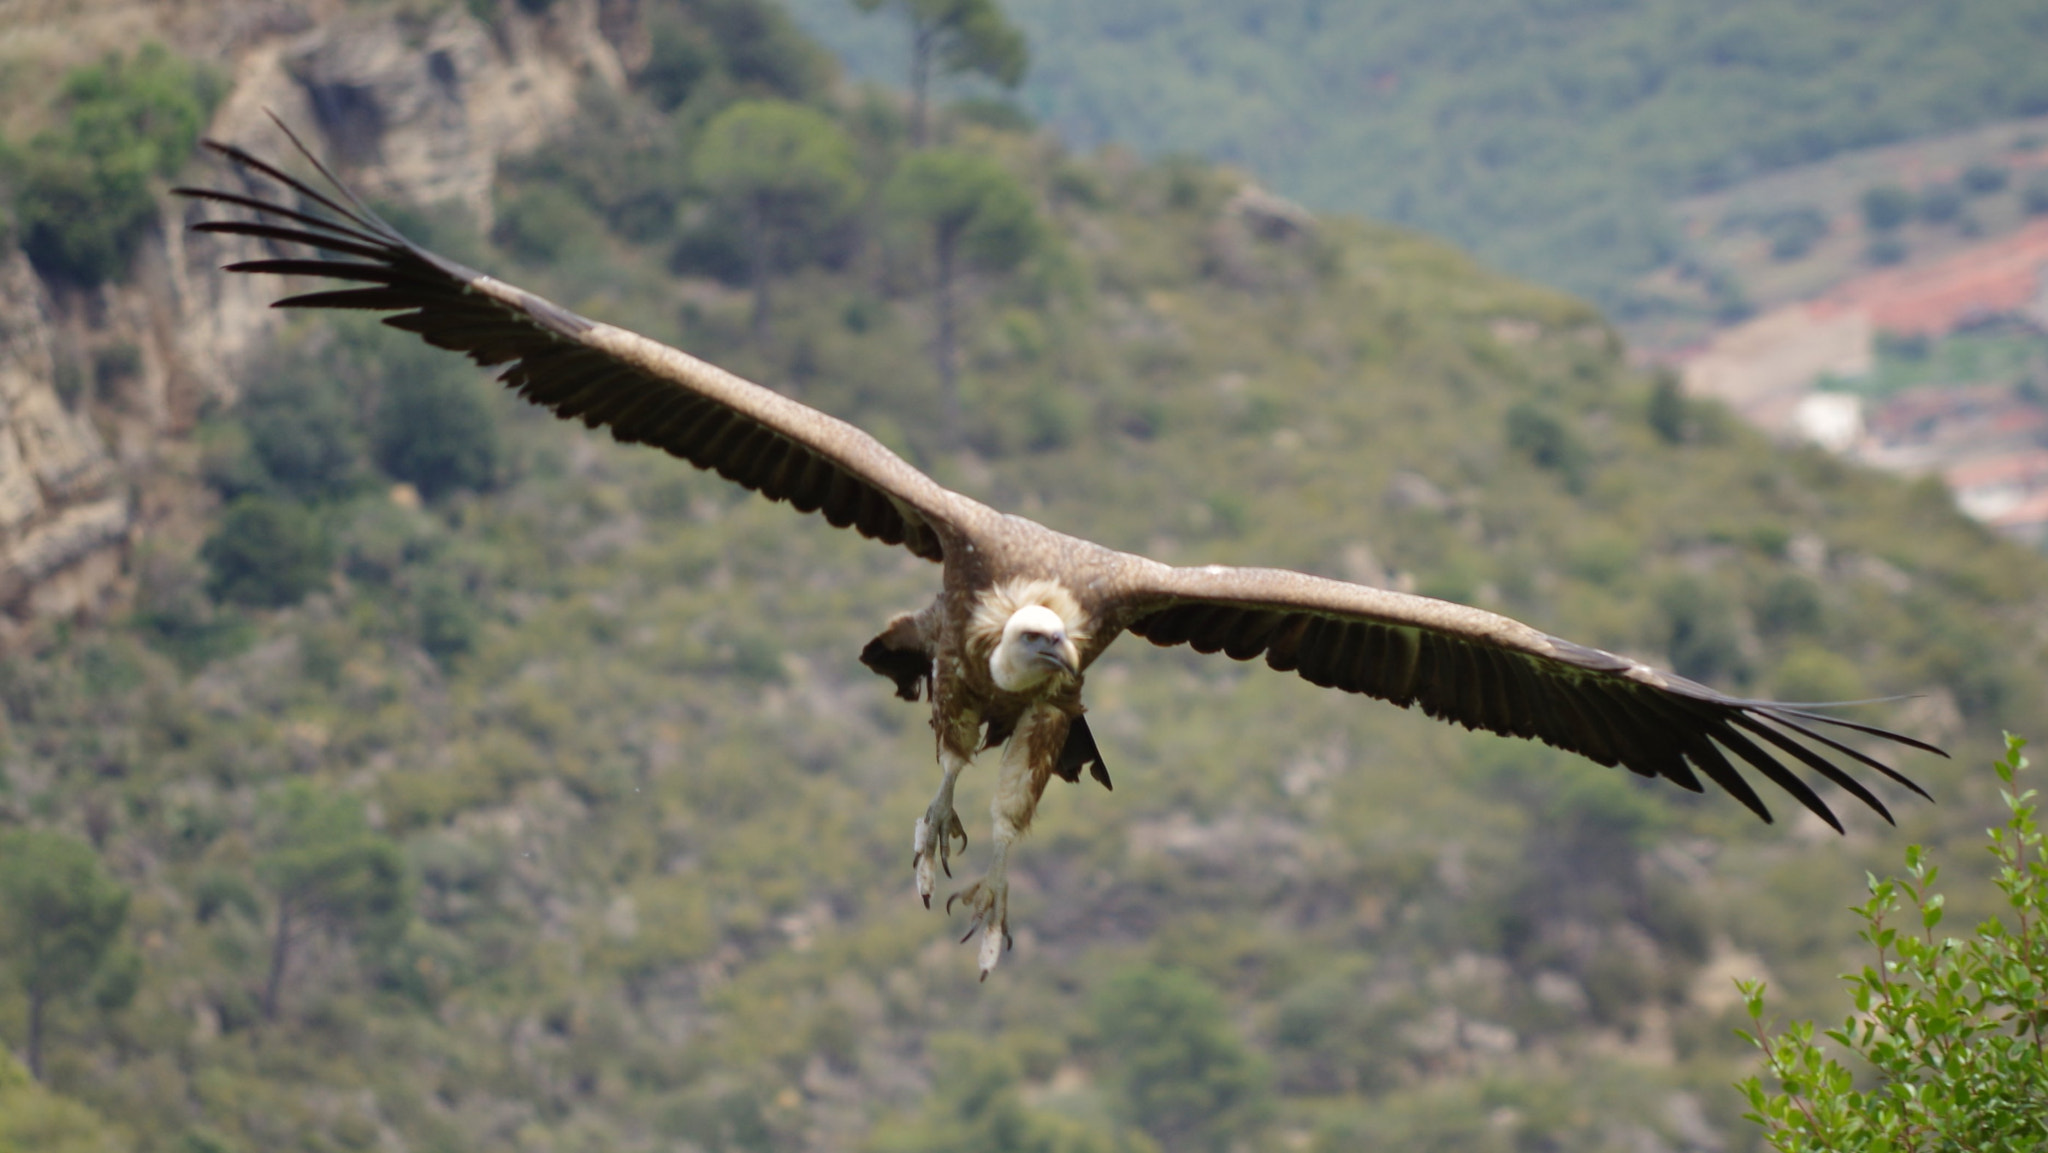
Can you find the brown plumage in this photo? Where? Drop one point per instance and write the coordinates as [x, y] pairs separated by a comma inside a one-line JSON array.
[[1024, 610]]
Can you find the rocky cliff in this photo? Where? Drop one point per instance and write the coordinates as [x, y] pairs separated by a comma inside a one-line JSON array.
[[415, 102]]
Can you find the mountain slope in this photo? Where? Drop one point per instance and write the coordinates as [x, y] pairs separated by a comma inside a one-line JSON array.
[[653, 811], [1545, 136]]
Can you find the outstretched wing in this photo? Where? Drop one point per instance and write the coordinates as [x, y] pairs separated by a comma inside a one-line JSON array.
[[1486, 671], [642, 390]]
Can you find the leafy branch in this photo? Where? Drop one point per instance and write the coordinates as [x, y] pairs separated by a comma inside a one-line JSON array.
[[1951, 1027]]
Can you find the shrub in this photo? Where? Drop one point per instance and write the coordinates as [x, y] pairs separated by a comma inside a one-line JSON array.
[[1984, 179], [2034, 197], [1548, 443], [1951, 1026], [436, 430], [1886, 251], [304, 433], [678, 58], [1181, 1071], [1794, 232], [448, 618], [1886, 207], [83, 199], [1703, 640], [540, 225], [268, 553], [1789, 605], [1941, 204], [763, 51], [1669, 414]]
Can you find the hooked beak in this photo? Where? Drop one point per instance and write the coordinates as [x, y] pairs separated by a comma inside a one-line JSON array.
[[1056, 653]]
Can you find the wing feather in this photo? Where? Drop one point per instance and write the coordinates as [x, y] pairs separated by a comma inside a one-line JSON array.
[[1485, 671], [642, 391]]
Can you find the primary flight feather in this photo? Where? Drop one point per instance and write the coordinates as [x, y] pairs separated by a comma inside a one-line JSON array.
[[1023, 610]]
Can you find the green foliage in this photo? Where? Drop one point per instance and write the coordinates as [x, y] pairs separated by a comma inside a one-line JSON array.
[[541, 225], [608, 163], [1548, 443], [1982, 179], [969, 200], [2034, 197], [759, 49], [436, 430], [1886, 251], [788, 162], [60, 913], [326, 869], [1545, 136], [267, 553], [679, 57], [788, 173], [1952, 1028], [1181, 1071], [1794, 233], [35, 1120], [977, 1103], [1887, 206], [954, 37], [83, 199], [449, 620], [1668, 412], [304, 433], [1702, 637], [1940, 203], [972, 36], [324, 859]]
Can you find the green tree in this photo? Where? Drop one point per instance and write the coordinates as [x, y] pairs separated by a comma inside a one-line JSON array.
[[267, 552], [956, 36], [434, 428], [304, 431], [787, 172], [328, 871], [1952, 1026], [60, 913], [83, 199], [977, 215], [1181, 1070]]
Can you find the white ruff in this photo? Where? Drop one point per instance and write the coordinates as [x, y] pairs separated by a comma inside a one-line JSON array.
[[1001, 603]]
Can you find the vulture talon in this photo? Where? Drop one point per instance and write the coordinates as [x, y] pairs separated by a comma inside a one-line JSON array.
[[989, 901]]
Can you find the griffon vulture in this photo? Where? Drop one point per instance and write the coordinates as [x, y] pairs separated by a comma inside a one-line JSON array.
[[1023, 610]]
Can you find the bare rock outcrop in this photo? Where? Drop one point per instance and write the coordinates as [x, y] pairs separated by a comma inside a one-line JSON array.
[[59, 508]]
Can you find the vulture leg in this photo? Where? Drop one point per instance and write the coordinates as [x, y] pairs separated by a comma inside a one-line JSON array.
[[933, 837], [1028, 762]]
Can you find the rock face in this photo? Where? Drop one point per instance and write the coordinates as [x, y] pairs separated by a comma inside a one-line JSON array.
[[61, 512], [97, 388]]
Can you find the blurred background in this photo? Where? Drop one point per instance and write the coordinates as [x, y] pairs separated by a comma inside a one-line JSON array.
[[385, 765]]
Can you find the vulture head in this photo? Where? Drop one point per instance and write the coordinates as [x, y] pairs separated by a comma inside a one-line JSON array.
[[1036, 647]]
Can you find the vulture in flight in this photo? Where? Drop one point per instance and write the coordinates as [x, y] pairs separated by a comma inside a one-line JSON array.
[[1022, 610]]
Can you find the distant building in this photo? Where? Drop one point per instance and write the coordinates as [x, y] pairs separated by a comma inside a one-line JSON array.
[[1988, 442], [2026, 522], [1995, 487], [1832, 420]]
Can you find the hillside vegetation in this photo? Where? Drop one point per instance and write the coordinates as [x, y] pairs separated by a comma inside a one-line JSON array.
[[477, 783], [1545, 135]]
